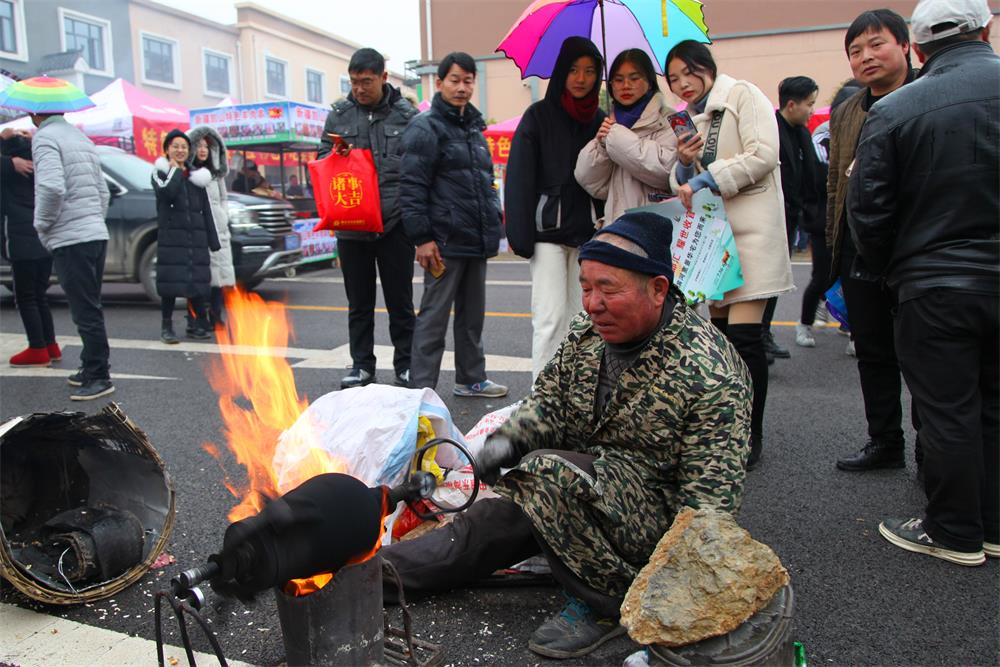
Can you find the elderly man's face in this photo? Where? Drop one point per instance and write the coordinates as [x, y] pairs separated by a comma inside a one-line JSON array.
[[623, 306]]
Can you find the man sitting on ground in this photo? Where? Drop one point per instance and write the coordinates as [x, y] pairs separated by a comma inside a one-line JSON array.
[[644, 409]]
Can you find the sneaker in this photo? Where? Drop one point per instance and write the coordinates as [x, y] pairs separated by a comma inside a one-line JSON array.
[[573, 632], [403, 379], [772, 348], [804, 336], [909, 534], [873, 456], [822, 314], [991, 550], [55, 354], [93, 389], [358, 377], [484, 389], [850, 349], [31, 356], [76, 379]]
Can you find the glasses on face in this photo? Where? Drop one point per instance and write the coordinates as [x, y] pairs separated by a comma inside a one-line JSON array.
[[633, 80]]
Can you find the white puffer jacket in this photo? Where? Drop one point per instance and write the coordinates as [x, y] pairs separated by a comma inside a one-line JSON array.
[[223, 273]]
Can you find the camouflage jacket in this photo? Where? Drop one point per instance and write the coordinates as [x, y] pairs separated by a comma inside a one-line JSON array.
[[676, 432]]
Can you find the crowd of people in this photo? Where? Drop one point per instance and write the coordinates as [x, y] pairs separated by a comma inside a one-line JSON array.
[[640, 406]]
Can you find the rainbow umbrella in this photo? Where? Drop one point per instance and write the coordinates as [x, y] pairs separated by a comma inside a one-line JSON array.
[[614, 25], [43, 94]]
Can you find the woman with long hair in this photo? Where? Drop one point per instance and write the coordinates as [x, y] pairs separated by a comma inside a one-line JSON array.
[[735, 153], [210, 153], [634, 149]]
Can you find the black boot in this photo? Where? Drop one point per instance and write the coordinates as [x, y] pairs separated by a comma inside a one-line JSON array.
[[167, 333], [200, 329], [755, 453], [771, 347], [747, 340], [873, 456]]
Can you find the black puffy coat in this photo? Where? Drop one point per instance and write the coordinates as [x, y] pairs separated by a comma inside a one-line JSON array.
[[800, 182], [542, 200], [17, 204], [379, 129], [186, 232], [446, 191], [923, 201]]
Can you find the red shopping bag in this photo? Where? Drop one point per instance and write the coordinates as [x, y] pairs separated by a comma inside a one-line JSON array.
[[346, 191]]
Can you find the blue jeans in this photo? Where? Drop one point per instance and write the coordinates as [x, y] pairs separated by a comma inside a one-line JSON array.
[[80, 268]]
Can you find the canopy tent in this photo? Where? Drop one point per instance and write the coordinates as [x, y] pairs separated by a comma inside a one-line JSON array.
[[124, 116], [498, 138]]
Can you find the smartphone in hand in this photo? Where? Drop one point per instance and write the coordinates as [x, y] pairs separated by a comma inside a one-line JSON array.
[[681, 124], [338, 142]]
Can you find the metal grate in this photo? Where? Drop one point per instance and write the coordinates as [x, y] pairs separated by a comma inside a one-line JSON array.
[[277, 220]]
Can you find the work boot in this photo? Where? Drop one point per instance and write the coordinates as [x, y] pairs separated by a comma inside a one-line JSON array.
[[167, 334], [874, 455], [771, 347], [573, 632]]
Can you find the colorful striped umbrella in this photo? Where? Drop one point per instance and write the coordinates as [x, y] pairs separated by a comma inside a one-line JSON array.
[[43, 94], [614, 25]]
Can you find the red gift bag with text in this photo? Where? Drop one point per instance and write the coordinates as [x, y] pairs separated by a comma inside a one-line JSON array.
[[346, 191]]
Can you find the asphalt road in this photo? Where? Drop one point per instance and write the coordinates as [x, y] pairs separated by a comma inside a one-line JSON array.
[[859, 601]]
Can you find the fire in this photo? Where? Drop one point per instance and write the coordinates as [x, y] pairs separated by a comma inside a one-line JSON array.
[[258, 400]]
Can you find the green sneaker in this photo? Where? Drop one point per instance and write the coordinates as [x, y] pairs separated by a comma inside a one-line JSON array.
[[573, 632]]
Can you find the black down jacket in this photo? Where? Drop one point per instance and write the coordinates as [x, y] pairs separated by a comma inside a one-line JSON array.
[[446, 191], [186, 232], [379, 129], [17, 204], [923, 201], [543, 201]]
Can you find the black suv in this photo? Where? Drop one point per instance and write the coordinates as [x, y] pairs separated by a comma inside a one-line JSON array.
[[262, 238]]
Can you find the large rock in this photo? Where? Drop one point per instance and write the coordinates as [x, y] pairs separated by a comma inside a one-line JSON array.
[[705, 578]]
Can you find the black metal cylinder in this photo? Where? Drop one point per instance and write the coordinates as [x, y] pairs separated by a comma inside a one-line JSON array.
[[340, 624]]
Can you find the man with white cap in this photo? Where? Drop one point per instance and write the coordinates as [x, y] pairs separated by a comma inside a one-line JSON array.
[[923, 206]]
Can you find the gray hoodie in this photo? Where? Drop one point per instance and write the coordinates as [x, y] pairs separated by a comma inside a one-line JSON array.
[[71, 195]]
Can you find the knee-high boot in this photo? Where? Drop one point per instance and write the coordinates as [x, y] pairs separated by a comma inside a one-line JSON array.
[[746, 338]]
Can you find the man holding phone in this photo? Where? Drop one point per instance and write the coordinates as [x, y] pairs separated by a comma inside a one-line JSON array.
[[374, 116]]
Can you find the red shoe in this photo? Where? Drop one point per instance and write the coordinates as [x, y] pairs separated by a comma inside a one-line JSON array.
[[32, 356], [55, 354]]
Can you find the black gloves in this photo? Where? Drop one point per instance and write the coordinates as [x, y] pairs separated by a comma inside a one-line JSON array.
[[498, 452]]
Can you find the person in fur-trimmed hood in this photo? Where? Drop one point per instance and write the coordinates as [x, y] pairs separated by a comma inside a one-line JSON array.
[[209, 151], [186, 234]]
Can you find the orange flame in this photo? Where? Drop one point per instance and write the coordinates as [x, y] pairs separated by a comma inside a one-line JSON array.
[[258, 401]]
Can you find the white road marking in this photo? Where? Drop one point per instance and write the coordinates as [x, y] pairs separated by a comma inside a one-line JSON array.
[[30, 639]]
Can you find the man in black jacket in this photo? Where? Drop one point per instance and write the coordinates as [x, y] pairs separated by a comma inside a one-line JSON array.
[[452, 214], [374, 116], [923, 209], [548, 214]]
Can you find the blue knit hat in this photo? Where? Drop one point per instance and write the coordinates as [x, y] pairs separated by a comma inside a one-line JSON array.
[[651, 232]]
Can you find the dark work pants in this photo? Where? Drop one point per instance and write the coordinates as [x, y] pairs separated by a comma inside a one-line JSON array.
[[31, 281], [491, 535], [393, 254], [463, 284], [947, 344], [819, 281], [80, 268], [869, 313], [197, 304]]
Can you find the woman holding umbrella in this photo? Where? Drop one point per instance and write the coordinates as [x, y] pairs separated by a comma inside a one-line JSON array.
[[634, 149], [735, 153]]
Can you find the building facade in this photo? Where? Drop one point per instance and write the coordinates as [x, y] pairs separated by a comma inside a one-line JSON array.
[[762, 41]]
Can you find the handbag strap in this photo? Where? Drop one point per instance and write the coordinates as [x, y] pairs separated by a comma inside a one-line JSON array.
[[712, 139]]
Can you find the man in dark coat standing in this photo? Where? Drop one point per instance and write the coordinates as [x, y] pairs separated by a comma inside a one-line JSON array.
[[374, 116], [452, 215], [548, 215], [923, 207]]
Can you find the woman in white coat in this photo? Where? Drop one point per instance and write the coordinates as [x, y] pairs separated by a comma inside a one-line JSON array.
[[210, 152], [634, 149], [738, 120]]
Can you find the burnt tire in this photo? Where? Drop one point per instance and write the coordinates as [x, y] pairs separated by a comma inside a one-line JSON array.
[[147, 272]]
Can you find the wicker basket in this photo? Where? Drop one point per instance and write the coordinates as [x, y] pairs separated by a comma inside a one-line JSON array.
[[52, 462]]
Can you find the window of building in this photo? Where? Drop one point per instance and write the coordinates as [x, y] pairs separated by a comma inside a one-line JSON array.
[[91, 35], [8, 33], [314, 86], [276, 80], [345, 84], [217, 72], [159, 64]]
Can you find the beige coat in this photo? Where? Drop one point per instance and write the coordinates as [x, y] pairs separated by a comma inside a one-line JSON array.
[[631, 163], [747, 173]]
